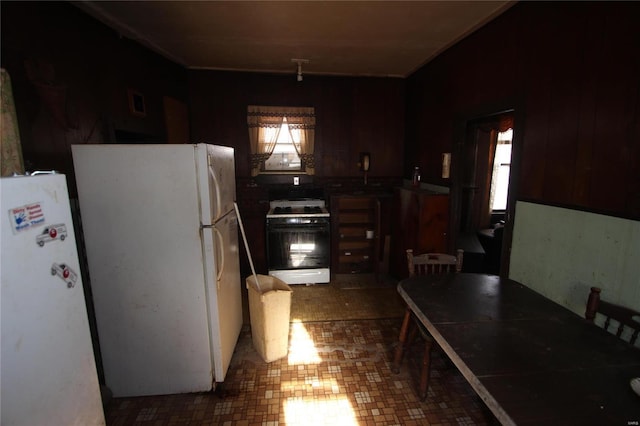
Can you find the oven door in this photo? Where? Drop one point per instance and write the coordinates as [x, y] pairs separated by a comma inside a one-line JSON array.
[[298, 243]]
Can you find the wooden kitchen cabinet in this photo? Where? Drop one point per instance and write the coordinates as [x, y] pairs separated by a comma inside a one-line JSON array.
[[420, 222], [353, 251]]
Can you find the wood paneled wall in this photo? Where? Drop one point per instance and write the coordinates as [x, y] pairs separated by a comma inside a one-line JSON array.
[[352, 115], [71, 75], [95, 67], [570, 70]]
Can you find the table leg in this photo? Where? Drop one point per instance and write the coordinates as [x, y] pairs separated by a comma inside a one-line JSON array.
[[426, 369], [397, 359]]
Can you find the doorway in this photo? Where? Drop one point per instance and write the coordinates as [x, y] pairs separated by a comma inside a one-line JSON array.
[[484, 209]]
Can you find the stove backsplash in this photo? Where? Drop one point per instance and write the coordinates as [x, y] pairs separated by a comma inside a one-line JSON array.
[[297, 193]]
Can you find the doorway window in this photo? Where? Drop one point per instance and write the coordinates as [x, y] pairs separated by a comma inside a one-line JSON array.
[[501, 169], [485, 177]]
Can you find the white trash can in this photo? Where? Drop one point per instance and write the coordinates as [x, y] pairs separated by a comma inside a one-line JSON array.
[[269, 310]]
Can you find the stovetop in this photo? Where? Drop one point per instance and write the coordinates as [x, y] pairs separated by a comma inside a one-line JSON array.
[[297, 208]]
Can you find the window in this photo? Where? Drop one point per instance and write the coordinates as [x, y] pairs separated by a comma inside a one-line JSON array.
[[284, 156], [501, 169], [281, 139]]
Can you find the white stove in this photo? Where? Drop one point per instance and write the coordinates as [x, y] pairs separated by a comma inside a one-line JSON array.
[[298, 241], [297, 208]]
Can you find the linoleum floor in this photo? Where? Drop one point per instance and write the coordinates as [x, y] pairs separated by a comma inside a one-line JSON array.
[[337, 372]]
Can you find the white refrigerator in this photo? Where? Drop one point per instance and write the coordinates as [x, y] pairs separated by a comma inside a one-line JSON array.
[[161, 238], [48, 371]]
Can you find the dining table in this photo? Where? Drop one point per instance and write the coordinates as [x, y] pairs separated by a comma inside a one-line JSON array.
[[530, 359]]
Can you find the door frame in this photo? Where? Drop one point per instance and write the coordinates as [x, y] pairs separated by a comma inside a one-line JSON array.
[[457, 171]]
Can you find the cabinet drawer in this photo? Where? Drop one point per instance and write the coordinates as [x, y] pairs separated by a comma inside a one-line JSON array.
[[357, 216], [353, 256], [352, 264], [354, 231], [355, 245], [363, 203]]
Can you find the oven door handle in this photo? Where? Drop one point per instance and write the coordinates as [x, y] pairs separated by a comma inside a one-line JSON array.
[[298, 227]]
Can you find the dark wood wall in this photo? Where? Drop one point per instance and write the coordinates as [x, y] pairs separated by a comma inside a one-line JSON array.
[[71, 75], [93, 68], [352, 115], [571, 72]]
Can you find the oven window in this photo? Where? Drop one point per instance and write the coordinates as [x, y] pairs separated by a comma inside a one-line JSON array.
[[297, 246]]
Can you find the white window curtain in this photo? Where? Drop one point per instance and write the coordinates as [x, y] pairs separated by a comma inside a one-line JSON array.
[[264, 128]]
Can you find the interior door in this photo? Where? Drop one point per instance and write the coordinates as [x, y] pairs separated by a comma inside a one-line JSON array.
[[472, 187], [479, 150], [176, 120]]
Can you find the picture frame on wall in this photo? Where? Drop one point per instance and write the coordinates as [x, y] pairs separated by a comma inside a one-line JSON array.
[[136, 103]]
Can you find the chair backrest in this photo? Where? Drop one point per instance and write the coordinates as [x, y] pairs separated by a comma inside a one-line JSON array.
[[625, 317], [434, 263]]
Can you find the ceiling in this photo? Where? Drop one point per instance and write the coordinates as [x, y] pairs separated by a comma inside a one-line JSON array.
[[353, 38]]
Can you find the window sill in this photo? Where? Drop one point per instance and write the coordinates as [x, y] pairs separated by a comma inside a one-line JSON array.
[[283, 172]]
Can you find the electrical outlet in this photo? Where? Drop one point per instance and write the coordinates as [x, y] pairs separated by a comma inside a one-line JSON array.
[[296, 180]]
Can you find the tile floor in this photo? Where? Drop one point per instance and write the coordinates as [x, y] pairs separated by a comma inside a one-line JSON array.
[[337, 372], [344, 299]]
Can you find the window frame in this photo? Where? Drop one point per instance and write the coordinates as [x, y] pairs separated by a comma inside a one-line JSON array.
[[262, 144]]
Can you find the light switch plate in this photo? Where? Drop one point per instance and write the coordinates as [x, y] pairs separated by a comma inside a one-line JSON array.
[[296, 180]]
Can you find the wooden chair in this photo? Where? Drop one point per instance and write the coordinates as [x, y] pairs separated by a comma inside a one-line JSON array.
[[423, 264], [434, 263], [625, 317]]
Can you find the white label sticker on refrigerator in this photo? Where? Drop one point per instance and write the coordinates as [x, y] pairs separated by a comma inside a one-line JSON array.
[[26, 217]]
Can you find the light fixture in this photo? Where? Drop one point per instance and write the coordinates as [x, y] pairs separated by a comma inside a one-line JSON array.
[[365, 164], [300, 62]]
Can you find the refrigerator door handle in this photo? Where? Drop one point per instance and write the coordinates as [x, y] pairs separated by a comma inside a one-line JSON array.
[[216, 188], [43, 172], [220, 267]]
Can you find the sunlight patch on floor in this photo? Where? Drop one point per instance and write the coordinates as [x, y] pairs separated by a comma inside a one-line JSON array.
[[314, 384], [302, 348], [308, 411]]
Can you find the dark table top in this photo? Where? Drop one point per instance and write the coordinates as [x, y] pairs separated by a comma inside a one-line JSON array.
[[530, 359]]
